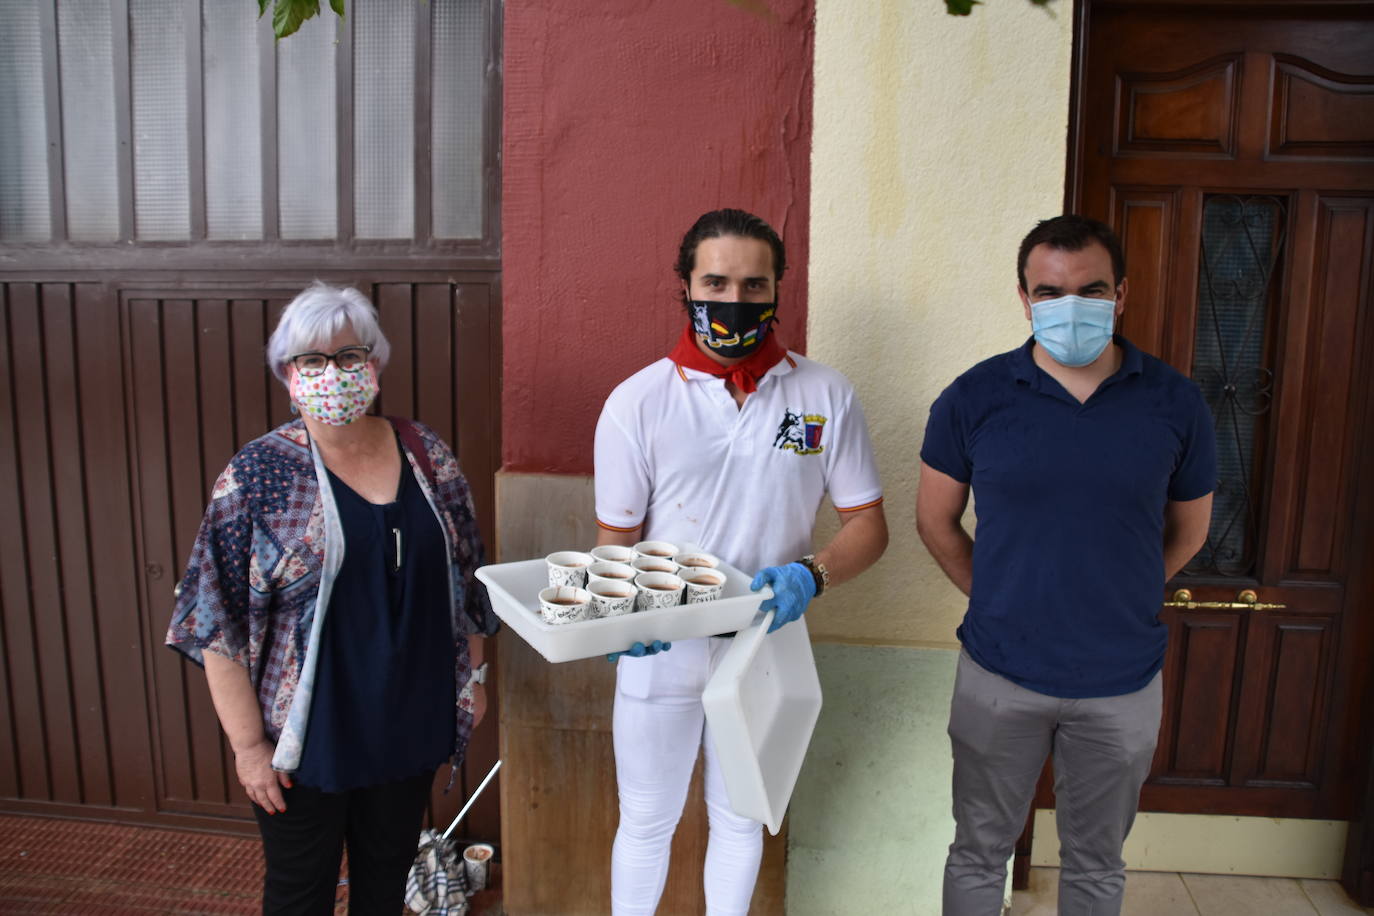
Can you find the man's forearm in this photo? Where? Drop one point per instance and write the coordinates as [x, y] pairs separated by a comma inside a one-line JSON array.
[[616, 538], [858, 544], [1185, 531], [952, 549]]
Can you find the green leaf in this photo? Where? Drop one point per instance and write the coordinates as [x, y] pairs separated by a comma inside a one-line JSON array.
[[337, 6], [262, 7], [288, 15], [960, 7]]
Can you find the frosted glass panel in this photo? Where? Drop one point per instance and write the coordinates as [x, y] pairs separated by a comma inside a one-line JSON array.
[[384, 122], [88, 119], [307, 162], [24, 214], [459, 48], [233, 118], [162, 190]]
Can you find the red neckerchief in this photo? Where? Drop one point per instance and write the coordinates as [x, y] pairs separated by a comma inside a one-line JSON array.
[[744, 374]]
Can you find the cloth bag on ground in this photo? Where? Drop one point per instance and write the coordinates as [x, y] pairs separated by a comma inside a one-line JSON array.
[[437, 884]]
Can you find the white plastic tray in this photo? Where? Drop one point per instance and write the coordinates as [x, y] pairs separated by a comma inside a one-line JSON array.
[[762, 705], [514, 590]]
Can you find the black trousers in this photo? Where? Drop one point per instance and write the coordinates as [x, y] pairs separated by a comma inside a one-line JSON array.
[[304, 845]]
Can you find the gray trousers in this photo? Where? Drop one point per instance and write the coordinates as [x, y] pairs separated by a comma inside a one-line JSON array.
[[1001, 734]]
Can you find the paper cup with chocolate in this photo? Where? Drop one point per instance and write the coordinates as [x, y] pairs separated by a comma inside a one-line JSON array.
[[657, 589], [653, 564], [702, 584], [603, 570], [564, 604], [612, 597], [568, 568], [663, 550], [476, 865], [695, 560], [614, 553]]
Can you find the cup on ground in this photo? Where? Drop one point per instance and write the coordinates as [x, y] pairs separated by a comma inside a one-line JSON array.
[[664, 550], [568, 568], [611, 597], [614, 553], [476, 862], [657, 589], [564, 604], [614, 572], [703, 584]]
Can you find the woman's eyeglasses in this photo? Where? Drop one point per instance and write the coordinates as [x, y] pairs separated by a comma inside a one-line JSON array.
[[348, 359]]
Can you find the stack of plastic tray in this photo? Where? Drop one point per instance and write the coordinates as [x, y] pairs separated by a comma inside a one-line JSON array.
[[762, 705]]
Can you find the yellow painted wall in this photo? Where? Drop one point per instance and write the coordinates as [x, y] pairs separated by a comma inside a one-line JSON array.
[[939, 141]]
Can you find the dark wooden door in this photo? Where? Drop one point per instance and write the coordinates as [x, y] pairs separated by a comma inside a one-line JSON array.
[[1232, 147]]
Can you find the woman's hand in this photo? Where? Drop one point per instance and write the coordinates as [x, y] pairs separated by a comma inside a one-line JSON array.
[[479, 704], [262, 783]]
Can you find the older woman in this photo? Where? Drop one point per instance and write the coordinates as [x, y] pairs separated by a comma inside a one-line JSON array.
[[330, 597]]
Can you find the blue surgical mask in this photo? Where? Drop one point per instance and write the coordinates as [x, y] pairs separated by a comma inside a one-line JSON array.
[[1074, 330]]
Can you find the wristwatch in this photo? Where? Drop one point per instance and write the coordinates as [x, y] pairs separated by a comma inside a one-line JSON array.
[[479, 674], [818, 571]]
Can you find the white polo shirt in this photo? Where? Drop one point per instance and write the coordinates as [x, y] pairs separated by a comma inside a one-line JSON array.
[[675, 453]]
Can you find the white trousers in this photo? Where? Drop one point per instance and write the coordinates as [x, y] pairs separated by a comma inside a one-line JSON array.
[[659, 726]]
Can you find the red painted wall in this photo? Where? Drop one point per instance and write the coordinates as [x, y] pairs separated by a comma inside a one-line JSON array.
[[624, 121]]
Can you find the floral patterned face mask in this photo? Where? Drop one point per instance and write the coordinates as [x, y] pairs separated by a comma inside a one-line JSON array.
[[335, 397]]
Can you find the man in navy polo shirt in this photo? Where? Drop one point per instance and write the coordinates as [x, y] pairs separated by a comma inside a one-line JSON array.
[[1093, 466]]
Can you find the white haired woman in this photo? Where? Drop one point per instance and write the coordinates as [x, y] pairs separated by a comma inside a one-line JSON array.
[[342, 676]]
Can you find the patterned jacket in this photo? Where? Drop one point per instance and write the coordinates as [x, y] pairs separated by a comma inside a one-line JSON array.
[[257, 585]]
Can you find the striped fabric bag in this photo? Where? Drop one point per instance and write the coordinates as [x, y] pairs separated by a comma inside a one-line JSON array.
[[437, 885]]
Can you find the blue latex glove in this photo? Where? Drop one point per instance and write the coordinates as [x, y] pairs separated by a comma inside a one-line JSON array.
[[639, 650], [793, 589]]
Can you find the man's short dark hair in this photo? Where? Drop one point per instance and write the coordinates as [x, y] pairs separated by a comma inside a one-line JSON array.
[[720, 223], [1071, 232]]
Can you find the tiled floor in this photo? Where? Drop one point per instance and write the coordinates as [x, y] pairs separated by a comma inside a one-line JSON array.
[[1167, 894], [73, 867]]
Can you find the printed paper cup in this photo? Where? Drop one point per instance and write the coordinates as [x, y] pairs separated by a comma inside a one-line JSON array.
[[476, 862], [614, 553], [568, 568], [564, 604], [604, 570], [653, 564], [703, 584], [611, 598], [657, 590], [695, 560], [663, 550]]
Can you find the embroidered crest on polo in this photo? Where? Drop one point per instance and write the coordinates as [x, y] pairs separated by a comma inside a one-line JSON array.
[[800, 433]]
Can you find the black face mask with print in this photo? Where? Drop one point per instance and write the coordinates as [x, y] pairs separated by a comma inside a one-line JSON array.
[[732, 329]]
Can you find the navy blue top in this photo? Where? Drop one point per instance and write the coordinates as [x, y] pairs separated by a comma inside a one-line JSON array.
[[1068, 555], [384, 689]]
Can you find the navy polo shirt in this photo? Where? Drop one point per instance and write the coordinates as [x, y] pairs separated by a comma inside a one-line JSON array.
[[1068, 554]]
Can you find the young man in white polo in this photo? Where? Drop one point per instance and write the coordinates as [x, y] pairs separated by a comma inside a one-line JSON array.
[[729, 442]]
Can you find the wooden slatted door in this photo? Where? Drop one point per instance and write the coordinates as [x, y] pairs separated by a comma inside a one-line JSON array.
[[72, 697], [1233, 149]]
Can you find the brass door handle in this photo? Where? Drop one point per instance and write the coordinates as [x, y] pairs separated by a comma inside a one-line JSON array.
[[1247, 600]]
